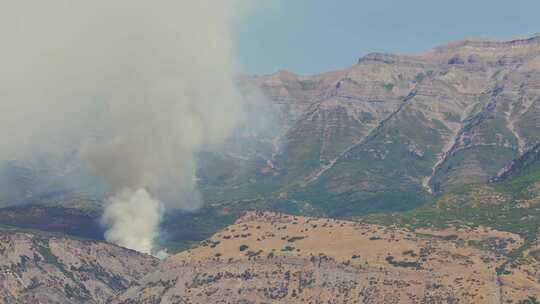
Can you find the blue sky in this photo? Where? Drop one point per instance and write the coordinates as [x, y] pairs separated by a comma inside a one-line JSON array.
[[311, 36]]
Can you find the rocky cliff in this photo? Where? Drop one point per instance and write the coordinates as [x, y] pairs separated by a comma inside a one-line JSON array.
[[392, 130]]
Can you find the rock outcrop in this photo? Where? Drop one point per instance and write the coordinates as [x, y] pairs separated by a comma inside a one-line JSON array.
[[413, 124], [42, 268]]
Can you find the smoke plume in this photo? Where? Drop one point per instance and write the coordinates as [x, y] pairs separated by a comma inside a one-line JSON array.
[[128, 227], [136, 88]]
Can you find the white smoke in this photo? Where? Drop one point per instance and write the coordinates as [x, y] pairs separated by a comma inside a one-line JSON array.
[[137, 87], [133, 217]]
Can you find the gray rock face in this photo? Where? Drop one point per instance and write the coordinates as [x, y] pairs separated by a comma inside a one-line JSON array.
[[393, 129]]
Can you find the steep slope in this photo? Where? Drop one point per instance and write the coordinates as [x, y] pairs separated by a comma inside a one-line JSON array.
[[44, 177], [526, 165], [392, 130], [76, 217], [43, 268], [275, 258]]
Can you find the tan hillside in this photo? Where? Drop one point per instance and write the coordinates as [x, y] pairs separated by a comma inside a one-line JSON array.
[[38, 268], [275, 258]]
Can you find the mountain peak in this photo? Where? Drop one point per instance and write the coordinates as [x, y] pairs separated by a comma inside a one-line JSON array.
[[490, 43], [484, 48]]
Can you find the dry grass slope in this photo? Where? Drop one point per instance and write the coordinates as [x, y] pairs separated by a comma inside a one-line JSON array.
[[277, 258]]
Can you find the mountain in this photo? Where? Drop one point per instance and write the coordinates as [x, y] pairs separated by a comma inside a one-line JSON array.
[[510, 202], [390, 132], [37, 267], [78, 217], [45, 178], [277, 258], [474, 244], [477, 243], [387, 133], [529, 162]]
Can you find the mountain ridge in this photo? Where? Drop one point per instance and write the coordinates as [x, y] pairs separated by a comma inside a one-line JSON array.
[[375, 137], [461, 101]]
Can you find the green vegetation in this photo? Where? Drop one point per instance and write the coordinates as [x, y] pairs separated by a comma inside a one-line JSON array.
[[288, 248], [77, 221], [405, 264], [309, 84], [366, 117], [184, 230], [487, 160], [451, 117], [530, 300], [510, 204], [383, 174], [388, 87], [421, 76]]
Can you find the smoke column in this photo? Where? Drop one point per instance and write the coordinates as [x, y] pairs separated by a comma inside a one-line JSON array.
[[135, 87]]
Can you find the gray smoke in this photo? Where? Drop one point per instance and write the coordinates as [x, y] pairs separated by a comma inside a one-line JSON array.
[[136, 87]]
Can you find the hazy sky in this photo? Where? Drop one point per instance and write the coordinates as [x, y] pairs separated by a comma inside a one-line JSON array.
[[310, 36]]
